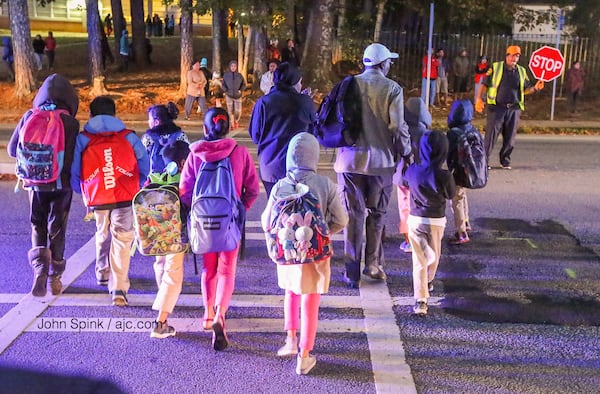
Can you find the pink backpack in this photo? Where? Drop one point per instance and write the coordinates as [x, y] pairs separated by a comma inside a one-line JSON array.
[[41, 147]]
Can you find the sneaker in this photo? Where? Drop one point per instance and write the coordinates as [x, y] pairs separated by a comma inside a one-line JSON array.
[[353, 284], [468, 227], [406, 247], [489, 167], [430, 286], [459, 239], [290, 348], [506, 167], [102, 282], [305, 364], [219, 338], [374, 272], [119, 298], [420, 308], [162, 330]]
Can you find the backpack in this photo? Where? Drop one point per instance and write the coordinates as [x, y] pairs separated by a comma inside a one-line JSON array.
[[157, 213], [297, 232], [339, 117], [216, 211], [467, 158], [41, 147], [109, 169], [157, 162]]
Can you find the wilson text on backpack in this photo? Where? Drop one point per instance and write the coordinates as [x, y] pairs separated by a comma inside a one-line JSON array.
[[109, 169]]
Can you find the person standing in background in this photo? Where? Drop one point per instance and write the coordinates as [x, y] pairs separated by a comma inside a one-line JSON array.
[[289, 54], [124, 50], [8, 57], [574, 82], [266, 80], [461, 68], [38, 51], [196, 82], [233, 85], [433, 74], [442, 77], [481, 69], [49, 49]]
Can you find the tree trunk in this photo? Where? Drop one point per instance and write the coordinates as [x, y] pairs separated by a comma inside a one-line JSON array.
[[138, 32], [22, 48], [118, 22], [219, 20], [260, 53], [240, 50], [379, 20], [187, 47], [317, 55], [94, 26]]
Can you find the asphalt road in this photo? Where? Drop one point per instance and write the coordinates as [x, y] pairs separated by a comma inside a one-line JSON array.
[[517, 310]]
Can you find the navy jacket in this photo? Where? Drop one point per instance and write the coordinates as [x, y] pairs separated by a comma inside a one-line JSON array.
[[276, 118], [430, 185]]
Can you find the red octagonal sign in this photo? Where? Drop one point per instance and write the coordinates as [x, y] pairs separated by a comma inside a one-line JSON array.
[[546, 63]]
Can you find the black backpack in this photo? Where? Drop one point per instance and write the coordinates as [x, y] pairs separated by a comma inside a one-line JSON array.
[[467, 158], [339, 118]]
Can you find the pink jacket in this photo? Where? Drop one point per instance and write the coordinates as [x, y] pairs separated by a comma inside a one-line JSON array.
[[242, 165]]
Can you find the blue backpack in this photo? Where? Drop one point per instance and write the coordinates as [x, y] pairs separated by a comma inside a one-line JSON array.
[[157, 162], [216, 214]]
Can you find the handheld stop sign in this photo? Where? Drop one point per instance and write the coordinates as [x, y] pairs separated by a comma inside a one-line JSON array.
[[546, 63]]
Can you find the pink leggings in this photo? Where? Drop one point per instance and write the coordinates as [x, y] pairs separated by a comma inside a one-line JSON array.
[[218, 279], [308, 320]]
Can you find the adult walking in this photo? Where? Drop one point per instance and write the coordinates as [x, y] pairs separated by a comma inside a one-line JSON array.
[[276, 118], [506, 84], [365, 170]]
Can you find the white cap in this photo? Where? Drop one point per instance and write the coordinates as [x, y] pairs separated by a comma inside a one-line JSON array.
[[377, 53]]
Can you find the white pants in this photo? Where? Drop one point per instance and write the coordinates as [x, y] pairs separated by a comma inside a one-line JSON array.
[[426, 242], [169, 279], [119, 222]]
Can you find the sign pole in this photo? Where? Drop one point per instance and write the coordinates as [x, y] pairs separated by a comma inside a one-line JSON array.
[[561, 20], [428, 91]]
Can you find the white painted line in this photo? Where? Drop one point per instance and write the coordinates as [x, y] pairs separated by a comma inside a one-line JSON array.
[[261, 237], [406, 301], [129, 325], [22, 315], [391, 372]]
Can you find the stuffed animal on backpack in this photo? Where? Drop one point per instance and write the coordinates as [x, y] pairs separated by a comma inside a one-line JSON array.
[[286, 237]]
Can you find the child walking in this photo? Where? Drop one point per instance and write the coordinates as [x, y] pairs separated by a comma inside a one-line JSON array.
[[459, 121], [419, 120], [168, 269], [430, 186], [304, 283], [218, 273], [111, 205]]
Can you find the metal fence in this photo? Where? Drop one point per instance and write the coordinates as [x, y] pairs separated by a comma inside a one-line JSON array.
[[412, 48]]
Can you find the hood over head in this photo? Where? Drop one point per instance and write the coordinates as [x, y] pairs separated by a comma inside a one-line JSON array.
[[303, 153], [57, 90], [461, 113], [286, 75], [416, 113], [433, 149]]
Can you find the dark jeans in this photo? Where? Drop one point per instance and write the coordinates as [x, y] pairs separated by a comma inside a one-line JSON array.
[[49, 212], [366, 198], [189, 102], [505, 121]]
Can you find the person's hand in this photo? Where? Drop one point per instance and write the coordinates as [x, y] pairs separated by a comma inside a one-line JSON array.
[[479, 105], [539, 85]]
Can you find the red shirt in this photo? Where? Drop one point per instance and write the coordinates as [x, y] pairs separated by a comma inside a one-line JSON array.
[[435, 63], [50, 43]]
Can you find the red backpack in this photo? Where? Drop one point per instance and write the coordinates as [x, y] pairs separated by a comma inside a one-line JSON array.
[[109, 169], [41, 147]]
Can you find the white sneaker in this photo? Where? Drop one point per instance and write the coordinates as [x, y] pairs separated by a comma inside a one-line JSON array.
[[290, 348], [420, 308], [305, 364]]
